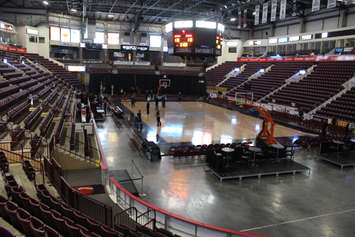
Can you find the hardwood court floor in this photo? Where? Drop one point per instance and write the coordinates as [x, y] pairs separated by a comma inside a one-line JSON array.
[[202, 123]]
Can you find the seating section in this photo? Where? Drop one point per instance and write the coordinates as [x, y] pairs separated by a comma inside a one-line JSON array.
[[322, 84], [217, 74], [18, 110], [249, 70], [58, 70], [273, 79], [342, 108]]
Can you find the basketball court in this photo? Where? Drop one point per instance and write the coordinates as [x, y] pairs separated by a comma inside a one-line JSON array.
[[202, 123]]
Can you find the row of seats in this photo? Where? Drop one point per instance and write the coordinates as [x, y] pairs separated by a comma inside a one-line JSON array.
[[341, 108], [31, 121], [217, 74], [47, 124], [4, 164], [29, 170], [18, 110], [273, 79], [250, 69], [8, 101], [59, 131], [56, 69]]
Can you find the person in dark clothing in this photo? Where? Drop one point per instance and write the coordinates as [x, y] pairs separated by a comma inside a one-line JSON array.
[[133, 102], [87, 114], [348, 133], [324, 129], [179, 96], [301, 115], [139, 116], [148, 107], [105, 107], [158, 119], [156, 102], [138, 121], [163, 102]]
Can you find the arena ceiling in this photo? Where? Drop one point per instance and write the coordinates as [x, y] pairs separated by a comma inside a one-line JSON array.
[[153, 11]]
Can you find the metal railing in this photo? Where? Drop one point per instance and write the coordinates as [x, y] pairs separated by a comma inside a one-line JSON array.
[[147, 219], [125, 217], [19, 156]]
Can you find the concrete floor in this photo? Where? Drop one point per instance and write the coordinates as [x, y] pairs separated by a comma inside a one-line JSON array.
[[321, 204]]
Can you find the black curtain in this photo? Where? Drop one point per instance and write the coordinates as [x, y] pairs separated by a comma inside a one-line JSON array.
[[187, 85]]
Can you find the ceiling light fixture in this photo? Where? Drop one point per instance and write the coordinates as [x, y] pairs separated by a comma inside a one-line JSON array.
[[73, 10], [45, 3]]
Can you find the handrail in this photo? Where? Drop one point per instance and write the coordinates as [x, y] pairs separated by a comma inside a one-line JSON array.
[[150, 220], [126, 211], [179, 217]]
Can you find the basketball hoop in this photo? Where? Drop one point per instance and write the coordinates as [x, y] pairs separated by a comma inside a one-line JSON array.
[[242, 98], [164, 83]]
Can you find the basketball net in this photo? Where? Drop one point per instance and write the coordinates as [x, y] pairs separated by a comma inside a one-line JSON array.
[[242, 98], [163, 83]]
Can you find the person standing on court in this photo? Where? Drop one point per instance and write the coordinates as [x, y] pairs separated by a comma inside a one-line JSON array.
[[148, 107], [163, 102], [139, 120], [156, 102], [132, 101], [158, 119]]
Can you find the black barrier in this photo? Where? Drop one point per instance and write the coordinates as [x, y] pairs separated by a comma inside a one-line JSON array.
[[73, 198]]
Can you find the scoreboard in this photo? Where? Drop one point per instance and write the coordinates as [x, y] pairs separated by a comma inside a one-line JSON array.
[[195, 39], [183, 41]]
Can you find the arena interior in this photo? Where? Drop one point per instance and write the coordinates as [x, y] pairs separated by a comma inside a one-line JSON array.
[[185, 118]]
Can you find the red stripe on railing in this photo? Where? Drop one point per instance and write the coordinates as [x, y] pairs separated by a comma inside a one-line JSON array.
[[181, 218]]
